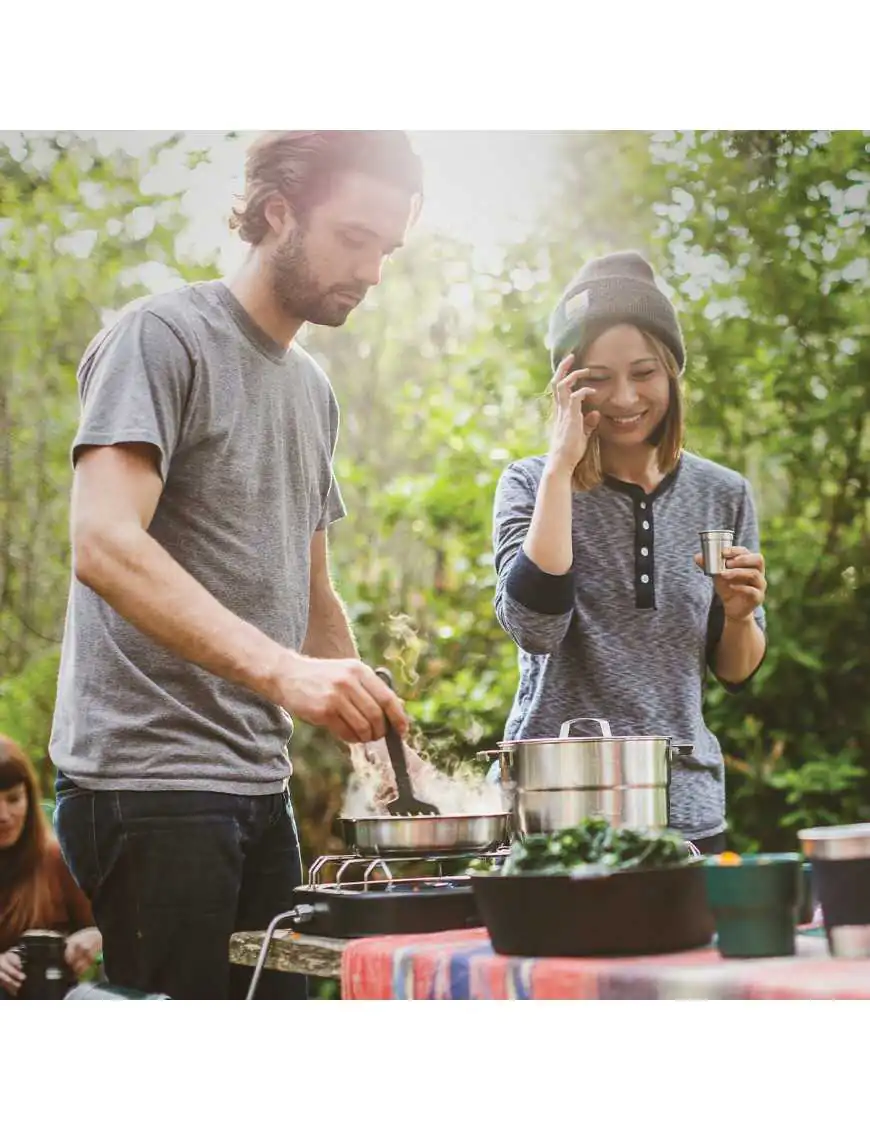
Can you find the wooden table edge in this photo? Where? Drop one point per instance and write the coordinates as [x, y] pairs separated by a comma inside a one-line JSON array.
[[290, 952]]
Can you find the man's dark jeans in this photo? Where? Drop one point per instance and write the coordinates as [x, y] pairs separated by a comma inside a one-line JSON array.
[[172, 874]]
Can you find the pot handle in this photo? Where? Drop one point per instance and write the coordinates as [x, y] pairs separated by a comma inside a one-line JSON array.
[[682, 754], [483, 755], [566, 726]]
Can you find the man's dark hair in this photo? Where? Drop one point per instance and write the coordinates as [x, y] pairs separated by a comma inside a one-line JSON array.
[[300, 164]]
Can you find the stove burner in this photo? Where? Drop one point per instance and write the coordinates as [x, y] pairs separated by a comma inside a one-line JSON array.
[[391, 886], [344, 865]]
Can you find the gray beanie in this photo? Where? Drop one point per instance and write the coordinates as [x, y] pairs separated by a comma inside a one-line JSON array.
[[606, 292]]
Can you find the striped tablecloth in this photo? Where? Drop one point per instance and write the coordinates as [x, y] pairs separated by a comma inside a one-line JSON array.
[[462, 965]]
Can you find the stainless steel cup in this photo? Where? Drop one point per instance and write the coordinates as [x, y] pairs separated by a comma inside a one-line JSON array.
[[713, 545], [840, 855]]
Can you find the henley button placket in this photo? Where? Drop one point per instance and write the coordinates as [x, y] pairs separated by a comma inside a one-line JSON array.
[[644, 535], [644, 558]]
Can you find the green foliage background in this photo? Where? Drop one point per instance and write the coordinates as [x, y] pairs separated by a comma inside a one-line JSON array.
[[763, 240]]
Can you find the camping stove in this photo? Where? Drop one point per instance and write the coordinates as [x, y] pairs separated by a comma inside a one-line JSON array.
[[369, 896]]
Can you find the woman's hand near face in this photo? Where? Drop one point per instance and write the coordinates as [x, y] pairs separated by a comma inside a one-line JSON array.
[[572, 428], [11, 972]]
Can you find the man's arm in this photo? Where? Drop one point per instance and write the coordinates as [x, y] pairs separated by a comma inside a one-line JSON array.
[[329, 635], [115, 494]]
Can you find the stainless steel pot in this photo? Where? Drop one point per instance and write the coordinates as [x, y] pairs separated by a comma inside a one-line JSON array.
[[600, 761], [549, 810], [560, 781]]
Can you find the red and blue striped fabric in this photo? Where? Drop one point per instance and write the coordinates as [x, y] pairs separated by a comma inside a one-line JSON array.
[[461, 965]]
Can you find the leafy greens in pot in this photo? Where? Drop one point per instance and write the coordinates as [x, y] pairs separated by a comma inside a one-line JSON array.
[[593, 847]]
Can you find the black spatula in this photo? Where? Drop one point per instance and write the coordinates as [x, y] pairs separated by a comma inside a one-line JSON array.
[[406, 804]]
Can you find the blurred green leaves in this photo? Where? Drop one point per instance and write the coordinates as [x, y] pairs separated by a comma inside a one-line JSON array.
[[76, 232], [762, 238]]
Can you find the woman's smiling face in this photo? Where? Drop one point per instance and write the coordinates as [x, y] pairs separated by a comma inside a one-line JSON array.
[[632, 388]]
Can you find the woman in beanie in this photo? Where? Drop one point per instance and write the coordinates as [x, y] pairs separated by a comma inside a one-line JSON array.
[[599, 579]]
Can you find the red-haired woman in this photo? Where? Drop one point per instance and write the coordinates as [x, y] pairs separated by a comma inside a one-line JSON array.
[[36, 888]]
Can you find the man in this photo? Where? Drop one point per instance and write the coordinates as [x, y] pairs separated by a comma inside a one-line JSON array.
[[201, 614]]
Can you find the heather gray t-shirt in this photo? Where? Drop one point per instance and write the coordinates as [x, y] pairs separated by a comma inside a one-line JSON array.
[[246, 433], [628, 633]]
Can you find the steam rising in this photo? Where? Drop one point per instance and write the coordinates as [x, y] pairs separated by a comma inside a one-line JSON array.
[[372, 785]]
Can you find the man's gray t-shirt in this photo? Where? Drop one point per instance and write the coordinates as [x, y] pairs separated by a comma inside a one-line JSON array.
[[246, 433]]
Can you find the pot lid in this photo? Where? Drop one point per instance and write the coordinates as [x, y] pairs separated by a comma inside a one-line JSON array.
[[507, 745], [602, 724]]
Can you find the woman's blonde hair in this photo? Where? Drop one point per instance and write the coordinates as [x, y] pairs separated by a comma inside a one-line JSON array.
[[668, 436]]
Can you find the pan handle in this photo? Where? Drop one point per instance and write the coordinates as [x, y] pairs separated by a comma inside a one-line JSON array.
[[602, 723], [395, 748]]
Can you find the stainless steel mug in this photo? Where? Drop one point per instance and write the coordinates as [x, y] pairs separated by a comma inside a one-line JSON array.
[[713, 545]]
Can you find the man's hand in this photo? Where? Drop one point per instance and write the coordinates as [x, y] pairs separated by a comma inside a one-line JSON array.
[[82, 949], [345, 696], [11, 972]]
